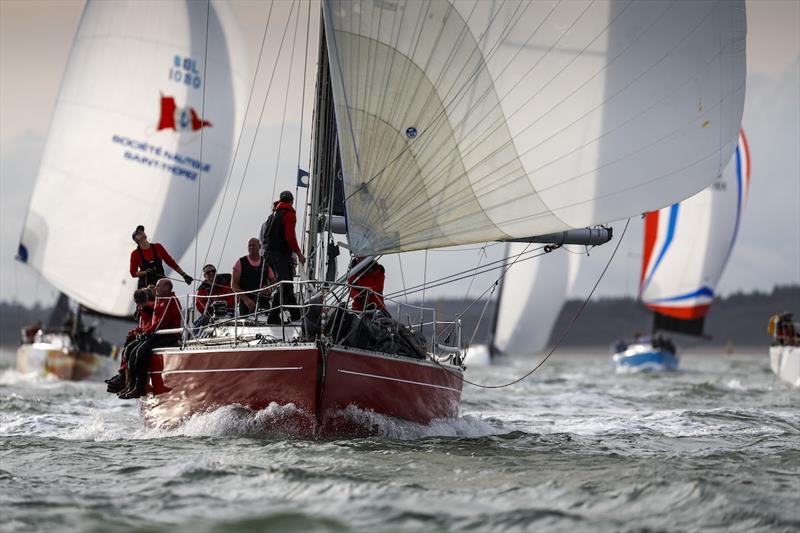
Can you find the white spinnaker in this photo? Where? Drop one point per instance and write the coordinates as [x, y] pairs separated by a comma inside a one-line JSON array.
[[108, 167], [530, 300], [687, 245], [466, 121]]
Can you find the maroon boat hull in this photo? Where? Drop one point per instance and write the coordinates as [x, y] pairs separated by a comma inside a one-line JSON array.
[[323, 389], [399, 387], [187, 382]]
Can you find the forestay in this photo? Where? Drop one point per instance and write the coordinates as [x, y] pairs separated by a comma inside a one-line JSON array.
[[467, 121], [687, 245], [530, 299], [124, 146]]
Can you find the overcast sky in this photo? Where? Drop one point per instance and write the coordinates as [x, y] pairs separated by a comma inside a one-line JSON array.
[[35, 37]]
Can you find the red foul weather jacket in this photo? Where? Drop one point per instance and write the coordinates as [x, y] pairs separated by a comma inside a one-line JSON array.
[[166, 315], [219, 292], [372, 279], [289, 223]]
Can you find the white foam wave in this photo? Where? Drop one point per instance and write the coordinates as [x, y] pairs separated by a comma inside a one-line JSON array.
[[239, 421], [471, 426]]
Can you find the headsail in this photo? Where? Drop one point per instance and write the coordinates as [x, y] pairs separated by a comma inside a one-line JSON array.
[[530, 299], [125, 139], [470, 121], [687, 245]]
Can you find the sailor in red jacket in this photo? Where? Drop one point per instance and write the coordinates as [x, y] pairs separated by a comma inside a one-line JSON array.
[[372, 278], [145, 300], [214, 288], [279, 242], [166, 315], [147, 261]]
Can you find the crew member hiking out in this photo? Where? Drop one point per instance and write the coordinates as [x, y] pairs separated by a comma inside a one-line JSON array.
[[279, 242], [166, 315], [147, 261], [251, 273], [145, 300]]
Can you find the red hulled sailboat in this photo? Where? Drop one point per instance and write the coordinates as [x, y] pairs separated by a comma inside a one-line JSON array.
[[447, 123]]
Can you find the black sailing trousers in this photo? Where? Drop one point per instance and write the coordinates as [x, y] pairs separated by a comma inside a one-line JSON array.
[[282, 266], [139, 355]]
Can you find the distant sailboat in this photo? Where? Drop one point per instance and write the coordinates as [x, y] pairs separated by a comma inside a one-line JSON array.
[[686, 248], [530, 300], [136, 107], [784, 350], [531, 296], [463, 122]]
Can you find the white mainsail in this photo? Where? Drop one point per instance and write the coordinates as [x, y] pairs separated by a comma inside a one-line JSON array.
[[687, 245], [467, 121], [530, 299], [137, 103]]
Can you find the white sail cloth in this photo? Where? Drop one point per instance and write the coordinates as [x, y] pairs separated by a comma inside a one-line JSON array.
[[531, 297], [687, 245], [464, 121], [124, 146]]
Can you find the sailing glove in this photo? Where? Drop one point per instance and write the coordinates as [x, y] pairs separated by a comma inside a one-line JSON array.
[[188, 279]]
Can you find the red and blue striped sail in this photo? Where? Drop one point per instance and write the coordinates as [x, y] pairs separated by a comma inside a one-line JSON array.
[[688, 244]]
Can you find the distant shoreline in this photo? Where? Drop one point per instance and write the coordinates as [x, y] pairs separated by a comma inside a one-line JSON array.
[[739, 319]]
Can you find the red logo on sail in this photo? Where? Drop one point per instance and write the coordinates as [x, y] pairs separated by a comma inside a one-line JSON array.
[[179, 118]]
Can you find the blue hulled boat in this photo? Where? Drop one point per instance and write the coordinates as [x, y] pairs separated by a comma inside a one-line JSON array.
[[642, 356]]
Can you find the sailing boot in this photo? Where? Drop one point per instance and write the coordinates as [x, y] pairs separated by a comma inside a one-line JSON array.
[[116, 384], [137, 387], [135, 390], [127, 382]]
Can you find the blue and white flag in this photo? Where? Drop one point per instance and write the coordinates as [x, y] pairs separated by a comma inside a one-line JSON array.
[[302, 178]]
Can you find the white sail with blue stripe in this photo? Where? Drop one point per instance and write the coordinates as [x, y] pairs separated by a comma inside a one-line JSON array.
[[143, 132], [687, 245]]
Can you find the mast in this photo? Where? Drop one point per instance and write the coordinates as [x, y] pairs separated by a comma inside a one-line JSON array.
[[317, 150], [326, 212]]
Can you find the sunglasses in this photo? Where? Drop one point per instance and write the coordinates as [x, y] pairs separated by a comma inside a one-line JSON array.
[[209, 272]]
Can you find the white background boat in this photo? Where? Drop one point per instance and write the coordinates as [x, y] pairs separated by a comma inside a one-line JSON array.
[[785, 362]]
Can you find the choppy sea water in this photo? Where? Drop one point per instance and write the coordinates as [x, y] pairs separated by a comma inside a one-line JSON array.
[[575, 447]]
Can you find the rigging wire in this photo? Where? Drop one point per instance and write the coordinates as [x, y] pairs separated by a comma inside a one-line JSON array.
[[302, 118], [561, 338], [483, 312], [402, 276], [485, 246], [493, 286], [202, 135], [433, 286], [286, 101], [424, 277], [481, 255], [241, 134], [255, 136], [484, 271]]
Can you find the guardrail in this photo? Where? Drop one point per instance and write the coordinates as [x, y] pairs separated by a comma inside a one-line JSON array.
[[318, 300]]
